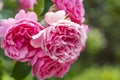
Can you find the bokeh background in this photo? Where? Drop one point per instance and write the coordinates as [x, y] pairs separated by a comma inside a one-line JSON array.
[[101, 58]]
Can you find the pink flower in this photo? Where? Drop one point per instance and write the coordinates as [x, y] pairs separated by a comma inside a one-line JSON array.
[[73, 8], [44, 67], [27, 4], [62, 41], [17, 34]]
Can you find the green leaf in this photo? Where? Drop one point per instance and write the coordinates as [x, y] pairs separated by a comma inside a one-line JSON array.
[[1, 73], [48, 3], [35, 78], [6, 76], [39, 7], [20, 71], [29, 77]]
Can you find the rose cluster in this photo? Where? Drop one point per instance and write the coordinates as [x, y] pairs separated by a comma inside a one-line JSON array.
[[50, 49]]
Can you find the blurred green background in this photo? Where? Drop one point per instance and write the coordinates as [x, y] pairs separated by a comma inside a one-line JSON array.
[[101, 57]]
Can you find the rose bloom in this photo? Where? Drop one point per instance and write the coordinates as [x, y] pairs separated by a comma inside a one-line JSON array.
[[73, 8], [27, 4], [44, 67], [17, 34], [63, 41]]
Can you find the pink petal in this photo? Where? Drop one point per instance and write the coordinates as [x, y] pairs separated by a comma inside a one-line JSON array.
[[36, 43], [49, 17], [27, 4], [20, 14], [23, 51], [37, 40], [5, 25], [59, 15], [29, 15]]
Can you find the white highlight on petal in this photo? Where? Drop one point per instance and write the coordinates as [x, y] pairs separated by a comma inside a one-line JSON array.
[[52, 17], [37, 40]]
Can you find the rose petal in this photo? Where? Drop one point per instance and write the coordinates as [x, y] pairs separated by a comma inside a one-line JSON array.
[[51, 17], [29, 15], [5, 26]]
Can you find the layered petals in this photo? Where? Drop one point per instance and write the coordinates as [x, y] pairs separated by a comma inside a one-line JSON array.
[[63, 41], [17, 35], [74, 9], [45, 67]]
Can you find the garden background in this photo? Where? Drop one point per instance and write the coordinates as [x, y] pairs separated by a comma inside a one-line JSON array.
[[101, 57]]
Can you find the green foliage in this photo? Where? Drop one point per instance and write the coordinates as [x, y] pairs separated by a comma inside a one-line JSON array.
[[5, 14], [8, 10], [20, 71], [5, 76], [29, 77], [39, 7], [10, 4], [96, 41], [97, 73], [48, 4]]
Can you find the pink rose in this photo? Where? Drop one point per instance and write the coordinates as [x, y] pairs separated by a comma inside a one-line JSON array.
[[17, 34], [44, 67], [73, 8], [63, 41], [27, 4]]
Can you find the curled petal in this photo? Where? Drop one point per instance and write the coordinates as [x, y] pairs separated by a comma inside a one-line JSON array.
[[52, 17], [37, 40], [5, 26], [29, 15]]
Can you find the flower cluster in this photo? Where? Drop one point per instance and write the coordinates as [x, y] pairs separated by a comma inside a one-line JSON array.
[[50, 49]]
